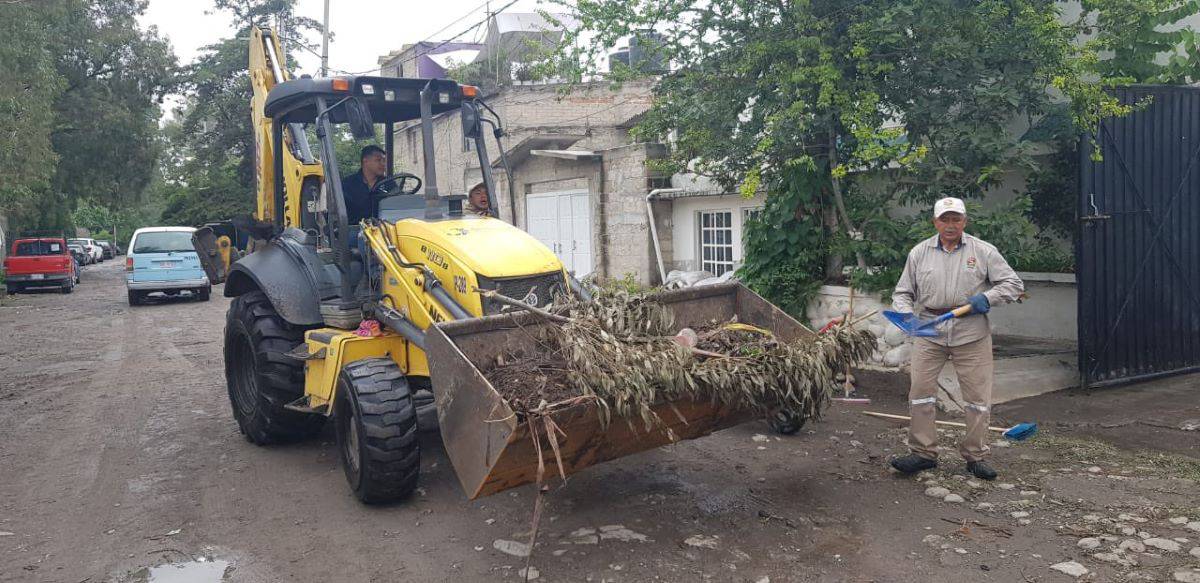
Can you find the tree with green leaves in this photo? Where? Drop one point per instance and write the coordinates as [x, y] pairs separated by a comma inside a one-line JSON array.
[[213, 144], [82, 83], [839, 110], [1146, 40], [29, 83]]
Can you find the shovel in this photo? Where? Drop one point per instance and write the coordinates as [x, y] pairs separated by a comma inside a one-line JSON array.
[[911, 326]]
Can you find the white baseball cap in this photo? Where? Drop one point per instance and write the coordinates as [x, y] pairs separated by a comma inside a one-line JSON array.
[[949, 205]]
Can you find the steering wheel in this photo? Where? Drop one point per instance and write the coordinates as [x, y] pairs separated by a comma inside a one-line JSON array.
[[397, 184]]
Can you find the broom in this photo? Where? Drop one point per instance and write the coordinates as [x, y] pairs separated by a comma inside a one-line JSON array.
[[1018, 432]]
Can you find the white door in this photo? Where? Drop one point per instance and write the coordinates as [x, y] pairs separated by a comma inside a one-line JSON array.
[[581, 234], [562, 221], [542, 219]]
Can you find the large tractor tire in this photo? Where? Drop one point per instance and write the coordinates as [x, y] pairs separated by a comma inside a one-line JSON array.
[[786, 422], [261, 377], [376, 426]]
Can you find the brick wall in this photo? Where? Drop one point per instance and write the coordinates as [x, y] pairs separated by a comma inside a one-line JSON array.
[[617, 183], [594, 111]]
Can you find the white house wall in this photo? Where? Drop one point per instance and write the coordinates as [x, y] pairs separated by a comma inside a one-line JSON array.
[[685, 238]]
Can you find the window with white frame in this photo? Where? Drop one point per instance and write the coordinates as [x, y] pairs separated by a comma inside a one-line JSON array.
[[716, 241], [750, 214]]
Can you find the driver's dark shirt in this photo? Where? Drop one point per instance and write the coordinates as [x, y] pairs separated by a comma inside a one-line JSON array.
[[359, 202]]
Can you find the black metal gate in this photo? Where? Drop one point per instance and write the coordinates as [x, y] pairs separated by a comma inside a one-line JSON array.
[[1138, 255]]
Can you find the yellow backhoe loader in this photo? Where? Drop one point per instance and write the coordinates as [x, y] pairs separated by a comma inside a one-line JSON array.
[[292, 357]]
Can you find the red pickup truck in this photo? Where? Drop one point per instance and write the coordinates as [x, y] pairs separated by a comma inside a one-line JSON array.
[[40, 262]]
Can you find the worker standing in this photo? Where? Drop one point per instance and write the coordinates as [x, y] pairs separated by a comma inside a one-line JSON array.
[[944, 272]]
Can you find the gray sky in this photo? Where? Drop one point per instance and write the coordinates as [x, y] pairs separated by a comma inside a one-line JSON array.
[[363, 29]]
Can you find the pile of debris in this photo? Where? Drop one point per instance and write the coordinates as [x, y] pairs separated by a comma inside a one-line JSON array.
[[624, 351]]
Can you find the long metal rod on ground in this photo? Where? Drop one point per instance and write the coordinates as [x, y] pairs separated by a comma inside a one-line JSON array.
[[946, 423]]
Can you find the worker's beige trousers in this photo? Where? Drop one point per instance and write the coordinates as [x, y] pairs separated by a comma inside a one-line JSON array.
[[973, 363]]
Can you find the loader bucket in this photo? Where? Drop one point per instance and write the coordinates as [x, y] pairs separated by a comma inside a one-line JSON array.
[[492, 450]]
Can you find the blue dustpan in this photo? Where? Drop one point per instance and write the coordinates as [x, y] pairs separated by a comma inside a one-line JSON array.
[[1021, 431]]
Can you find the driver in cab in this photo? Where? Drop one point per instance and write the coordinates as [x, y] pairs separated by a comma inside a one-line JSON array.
[[357, 187]]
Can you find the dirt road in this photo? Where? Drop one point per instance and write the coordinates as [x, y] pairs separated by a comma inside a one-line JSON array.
[[118, 452]]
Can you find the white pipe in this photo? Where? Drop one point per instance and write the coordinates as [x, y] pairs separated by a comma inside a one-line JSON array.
[[662, 272]]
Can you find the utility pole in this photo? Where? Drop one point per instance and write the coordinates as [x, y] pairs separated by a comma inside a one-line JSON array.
[[325, 43]]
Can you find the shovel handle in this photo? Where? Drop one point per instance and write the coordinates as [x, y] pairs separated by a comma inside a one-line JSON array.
[[939, 422], [955, 313]]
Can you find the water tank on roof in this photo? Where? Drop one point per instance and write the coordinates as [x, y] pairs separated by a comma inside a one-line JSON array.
[[645, 52]]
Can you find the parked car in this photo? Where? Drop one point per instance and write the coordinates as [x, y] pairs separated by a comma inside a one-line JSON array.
[[106, 250], [92, 248], [79, 253], [88, 257], [163, 259], [40, 262]]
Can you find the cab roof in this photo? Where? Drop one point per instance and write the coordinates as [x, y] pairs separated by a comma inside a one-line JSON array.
[[390, 99]]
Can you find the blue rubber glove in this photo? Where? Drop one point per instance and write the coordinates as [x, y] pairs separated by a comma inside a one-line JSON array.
[[979, 304]]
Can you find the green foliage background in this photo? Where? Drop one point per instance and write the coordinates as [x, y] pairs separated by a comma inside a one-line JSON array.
[[846, 113]]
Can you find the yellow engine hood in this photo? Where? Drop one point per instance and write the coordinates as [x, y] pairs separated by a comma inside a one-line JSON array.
[[489, 247]]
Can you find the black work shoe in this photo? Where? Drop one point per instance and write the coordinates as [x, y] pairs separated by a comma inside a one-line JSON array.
[[913, 463], [981, 470]]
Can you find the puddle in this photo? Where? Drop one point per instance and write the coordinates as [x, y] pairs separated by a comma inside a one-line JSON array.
[[201, 570]]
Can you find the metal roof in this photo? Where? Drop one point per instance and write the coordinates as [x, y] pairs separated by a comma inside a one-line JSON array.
[[295, 101]]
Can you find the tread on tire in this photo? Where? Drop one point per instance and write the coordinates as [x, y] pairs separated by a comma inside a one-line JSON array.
[[259, 375], [376, 427]]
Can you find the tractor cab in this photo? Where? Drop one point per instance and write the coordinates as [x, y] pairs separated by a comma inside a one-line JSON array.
[[313, 212]]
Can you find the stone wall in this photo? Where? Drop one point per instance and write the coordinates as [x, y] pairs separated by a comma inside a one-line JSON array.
[[1048, 313], [892, 348], [1050, 310]]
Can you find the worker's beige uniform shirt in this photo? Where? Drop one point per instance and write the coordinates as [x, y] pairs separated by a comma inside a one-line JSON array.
[[936, 279]]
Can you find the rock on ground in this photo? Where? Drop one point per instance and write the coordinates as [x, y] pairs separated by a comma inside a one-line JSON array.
[[1187, 575], [937, 492], [953, 498], [1113, 558], [701, 541], [1089, 543], [1070, 568], [1131, 545], [511, 547], [1163, 544]]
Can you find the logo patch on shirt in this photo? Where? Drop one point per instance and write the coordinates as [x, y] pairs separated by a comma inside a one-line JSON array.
[[971, 262]]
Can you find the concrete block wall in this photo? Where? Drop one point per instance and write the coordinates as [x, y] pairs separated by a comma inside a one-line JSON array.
[[1049, 313], [626, 239], [595, 111]]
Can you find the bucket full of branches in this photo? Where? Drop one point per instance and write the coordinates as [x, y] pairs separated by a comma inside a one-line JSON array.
[[534, 393]]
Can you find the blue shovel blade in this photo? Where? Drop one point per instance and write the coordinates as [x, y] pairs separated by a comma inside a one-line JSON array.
[[1021, 431], [910, 325]]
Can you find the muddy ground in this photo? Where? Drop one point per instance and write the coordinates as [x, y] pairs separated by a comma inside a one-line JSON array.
[[118, 453]]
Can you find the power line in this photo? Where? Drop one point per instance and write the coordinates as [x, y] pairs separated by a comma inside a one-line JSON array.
[[474, 26], [459, 35], [456, 21]]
